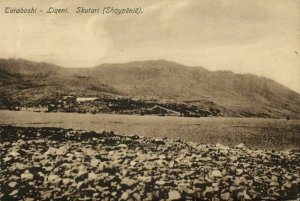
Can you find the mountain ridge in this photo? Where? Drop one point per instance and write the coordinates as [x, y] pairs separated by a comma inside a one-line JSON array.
[[165, 80]]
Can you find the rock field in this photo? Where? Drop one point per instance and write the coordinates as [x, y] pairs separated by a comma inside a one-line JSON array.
[[63, 164]]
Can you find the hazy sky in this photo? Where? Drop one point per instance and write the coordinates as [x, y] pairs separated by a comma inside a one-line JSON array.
[[244, 36]]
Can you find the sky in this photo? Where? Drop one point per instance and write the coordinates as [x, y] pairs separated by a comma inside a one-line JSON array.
[[243, 36]]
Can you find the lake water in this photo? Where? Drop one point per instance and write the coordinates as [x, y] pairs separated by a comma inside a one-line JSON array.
[[276, 134]]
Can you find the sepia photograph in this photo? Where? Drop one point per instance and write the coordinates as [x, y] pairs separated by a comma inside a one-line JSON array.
[[118, 100]]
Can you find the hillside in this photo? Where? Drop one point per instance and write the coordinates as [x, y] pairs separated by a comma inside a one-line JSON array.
[[29, 81], [234, 94], [241, 93]]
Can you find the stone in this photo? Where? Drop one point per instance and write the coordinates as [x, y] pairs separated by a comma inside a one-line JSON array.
[[246, 196], [54, 179], [122, 146], [205, 159], [246, 165], [12, 184], [81, 172], [14, 153], [289, 177], [162, 156], [66, 181], [61, 151], [95, 162], [79, 185], [6, 159], [240, 146], [239, 172], [287, 184], [220, 146], [274, 183], [144, 179], [160, 162], [128, 182], [215, 173], [233, 158], [137, 196], [208, 191], [41, 174], [159, 141], [232, 189], [20, 166], [31, 183], [133, 163], [183, 186], [124, 196], [160, 183], [92, 176], [174, 195], [225, 196], [239, 180], [14, 192], [274, 178], [171, 164], [26, 175]]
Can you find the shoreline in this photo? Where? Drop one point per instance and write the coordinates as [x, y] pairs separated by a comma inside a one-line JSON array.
[[254, 133], [84, 165]]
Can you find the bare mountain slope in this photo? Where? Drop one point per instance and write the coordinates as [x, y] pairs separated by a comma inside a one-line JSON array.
[[243, 94], [30, 81]]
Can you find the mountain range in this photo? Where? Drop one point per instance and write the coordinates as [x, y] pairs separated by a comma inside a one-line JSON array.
[[160, 80]]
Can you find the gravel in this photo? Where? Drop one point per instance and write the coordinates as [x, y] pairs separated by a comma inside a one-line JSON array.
[[64, 164]]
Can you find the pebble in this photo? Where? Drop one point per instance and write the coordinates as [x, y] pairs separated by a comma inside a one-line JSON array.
[[133, 163], [14, 153], [123, 146], [92, 176], [240, 146], [171, 165], [239, 172], [124, 196], [137, 196], [14, 192], [274, 178], [6, 159], [128, 182], [26, 175], [225, 196], [287, 184], [215, 173], [174, 195], [12, 184], [144, 169], [160, 183], [274, 183], [53, 178], [78, 186], [144, 179], [95, 162]]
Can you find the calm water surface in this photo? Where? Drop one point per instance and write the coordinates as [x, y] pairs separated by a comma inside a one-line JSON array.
[[253, 132]]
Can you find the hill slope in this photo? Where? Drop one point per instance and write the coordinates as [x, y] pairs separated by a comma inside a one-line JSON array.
[[240, 95], [30, 81]]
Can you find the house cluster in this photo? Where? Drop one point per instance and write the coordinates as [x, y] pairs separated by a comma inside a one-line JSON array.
[[122, 106]]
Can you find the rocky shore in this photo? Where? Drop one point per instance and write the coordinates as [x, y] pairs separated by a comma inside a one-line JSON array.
[[64, 164]]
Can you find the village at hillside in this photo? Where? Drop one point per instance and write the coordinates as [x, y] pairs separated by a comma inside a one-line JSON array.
[[93, 105]]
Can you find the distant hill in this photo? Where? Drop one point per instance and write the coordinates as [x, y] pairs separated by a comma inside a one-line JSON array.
[[234, 94], [31, 82]]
